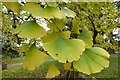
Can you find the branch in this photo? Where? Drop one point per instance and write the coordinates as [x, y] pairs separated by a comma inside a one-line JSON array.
[[95, 31]]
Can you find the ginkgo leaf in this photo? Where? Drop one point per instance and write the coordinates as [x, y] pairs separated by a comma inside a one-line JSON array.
[[65, 34], [92, 60], [68, 12], [52, 71], [57, 23], [86, 36], [53, 4], [49, 37], [75, 27], [53, 12], [36, 11], [67, 66], [63, 49], [34, 58], [14, 6], [33, 8], [29, 29]]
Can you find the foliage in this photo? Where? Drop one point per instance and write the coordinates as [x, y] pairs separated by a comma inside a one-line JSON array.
[[74, 30]]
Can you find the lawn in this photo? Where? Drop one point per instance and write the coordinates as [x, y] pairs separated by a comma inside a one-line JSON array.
[[40, 72]]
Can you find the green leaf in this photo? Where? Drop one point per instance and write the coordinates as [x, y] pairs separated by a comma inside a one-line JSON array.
[[53, 4], [52, 71], [63, 49], [65, 34], [92, 60], [49, 37], [57, 23], [67, 66], [86, 36], [14, 6], [75, 27], [68, 12], [36, 11], [29, 29], [33, 8], [34, 58], [53, 12]]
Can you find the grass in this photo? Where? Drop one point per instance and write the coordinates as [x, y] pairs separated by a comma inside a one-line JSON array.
[[9, 60], [20, 72], [40, 72]]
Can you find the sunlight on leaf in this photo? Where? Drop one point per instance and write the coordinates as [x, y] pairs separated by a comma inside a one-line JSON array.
[[34, 58], [52, 12], [29, 29], [63, 49], [68, 12], [52, 71], [33, 8], [14, 6], [92, 60]]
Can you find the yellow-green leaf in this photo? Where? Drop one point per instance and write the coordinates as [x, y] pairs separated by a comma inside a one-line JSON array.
[[52, 12], [57, 23], [63, 49], [34, 58], [47, 12], [14, 6], [65, 34], [53, 4], [67, 66], [75, 26], [68, 12], [52, 71], [92, 60], [86, 36], [33, 8], [49, 37], [29, 29]]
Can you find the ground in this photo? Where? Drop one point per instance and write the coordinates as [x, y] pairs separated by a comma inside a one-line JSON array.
[[17, 71]]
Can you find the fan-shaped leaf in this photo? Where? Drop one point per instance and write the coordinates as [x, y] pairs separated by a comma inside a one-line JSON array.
[[68, 12], [67, 66], [34, 58], [36, 11], [75, 27], [57, 23], [53, 12], [33, 8], [52, 71], [14, 6], [65, 34], [63, 49], [49, 37], [53, 4], [92, 60], [29, 29], [86, 36]]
